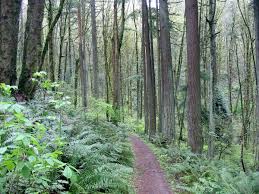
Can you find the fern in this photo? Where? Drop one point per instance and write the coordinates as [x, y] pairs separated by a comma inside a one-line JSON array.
[[104, 158], [198, 175]]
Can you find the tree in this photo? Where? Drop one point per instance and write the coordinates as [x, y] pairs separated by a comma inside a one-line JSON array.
[[105, 55], [51, 66], [167, 92], [82, 60], [62, 33], [32, 46], [9, 29], [213, 76], [248, 46], [49, 34], [256, 13], [139, 108], [194, 90], [116, 65], [116, 54], [94, 50], [149, 81], [159, 91]]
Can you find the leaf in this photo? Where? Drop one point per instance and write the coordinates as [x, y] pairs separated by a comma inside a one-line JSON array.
[[26, 141], [73, 178], [58, 162], [44, 182], [40, 74], [20, 137], [3, 150], [50, 161], [17, 108], [26, 172], [68, 173], [4, 107], [73, 168], [20, 165], [9, 164], [36, 151]]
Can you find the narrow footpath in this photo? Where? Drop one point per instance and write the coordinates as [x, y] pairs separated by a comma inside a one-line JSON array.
[[149, 177]]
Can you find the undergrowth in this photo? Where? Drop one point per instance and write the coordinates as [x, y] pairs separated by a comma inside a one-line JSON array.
[[189, 173], [103, 156], [46, 146]]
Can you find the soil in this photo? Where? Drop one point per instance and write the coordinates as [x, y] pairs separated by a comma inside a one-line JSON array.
[[149, 177]]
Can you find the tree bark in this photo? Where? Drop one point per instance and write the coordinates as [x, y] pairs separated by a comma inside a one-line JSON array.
[[83, 71], [137, 64], [62, 34], [94, 50], [68, 71], [213, 77], [194, 90], [76, 83], [242, 136], [256, 13], [150, 97], [32, 46], [9, 29], [106, 62], [159, 90], [116, 66], [51, 65], [167, 89], [49, 34]]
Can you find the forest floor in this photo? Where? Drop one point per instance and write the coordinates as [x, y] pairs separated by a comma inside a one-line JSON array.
[[149, 177]]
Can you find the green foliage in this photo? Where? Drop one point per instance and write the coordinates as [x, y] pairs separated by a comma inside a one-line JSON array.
[[29, 161], [223, 134], [6, 90], [48, 147], [99, 109], [103, 158], [196, 174]]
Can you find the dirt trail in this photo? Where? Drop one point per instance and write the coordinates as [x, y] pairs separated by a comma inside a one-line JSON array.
[[149, 178]]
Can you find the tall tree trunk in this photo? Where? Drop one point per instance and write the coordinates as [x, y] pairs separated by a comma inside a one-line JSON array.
[[249, 52], [159, 92], [121, 35], [116, 65], [194, 90], [230, 67], [167, 89], [152, 67], [178, 108], [62, 34], [137, 64], [83, 71], [95, 51], [76, 82], [51, 65], [144, 85], [49, 34], [150, 96], [66, 62], [106, 63], [116, 60], [204, 50], [213, 77], [9, 29], [242, 136], [32, 46], [68, 72], [256, 13]]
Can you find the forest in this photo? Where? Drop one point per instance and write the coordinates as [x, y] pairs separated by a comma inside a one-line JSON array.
[[129, 96]]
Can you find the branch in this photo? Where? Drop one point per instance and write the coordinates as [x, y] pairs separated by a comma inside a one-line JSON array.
[[52, 26]]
